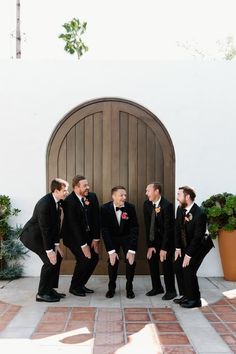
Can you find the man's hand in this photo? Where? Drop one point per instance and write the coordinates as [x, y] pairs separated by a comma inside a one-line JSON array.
[[113, 257], [186, 261], [163, 255], [130, 257], [59, 250], [177, 254], [86, 251], [95, 245], [150, 252], [52, 257]]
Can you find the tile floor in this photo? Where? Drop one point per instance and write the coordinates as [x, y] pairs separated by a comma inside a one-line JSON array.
[[94, 324]]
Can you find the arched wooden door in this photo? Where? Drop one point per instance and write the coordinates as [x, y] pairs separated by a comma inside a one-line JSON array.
[[113, 142]]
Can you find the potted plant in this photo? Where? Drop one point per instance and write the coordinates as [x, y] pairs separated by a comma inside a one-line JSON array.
[[221, 218], [11, 249]]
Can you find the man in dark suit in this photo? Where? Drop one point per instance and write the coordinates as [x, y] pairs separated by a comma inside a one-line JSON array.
[[120, 231], [192, 245], [159, 222], [41, 234], [81, 233]]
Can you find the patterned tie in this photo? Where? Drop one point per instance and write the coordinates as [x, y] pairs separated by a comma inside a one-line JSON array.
[[86, 215], [152, 226]]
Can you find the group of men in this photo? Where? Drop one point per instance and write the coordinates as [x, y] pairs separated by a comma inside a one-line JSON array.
[[178, 243]]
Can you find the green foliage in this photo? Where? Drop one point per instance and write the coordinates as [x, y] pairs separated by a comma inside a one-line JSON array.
[[11, 249], [221, 213], [74, 30]]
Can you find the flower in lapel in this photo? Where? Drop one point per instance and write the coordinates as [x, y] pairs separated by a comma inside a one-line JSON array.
[[188, 217], [157, 210], [86, 201], [124, 216]]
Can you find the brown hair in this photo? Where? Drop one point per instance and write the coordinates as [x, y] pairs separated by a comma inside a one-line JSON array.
[[188, 191], [115, 189], [58, 183], [77, 179], [157, 185]]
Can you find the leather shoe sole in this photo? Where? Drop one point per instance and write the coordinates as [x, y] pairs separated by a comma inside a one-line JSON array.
[[87, 291], [60, 295], [77, 292], [47, 298], [154, 292]]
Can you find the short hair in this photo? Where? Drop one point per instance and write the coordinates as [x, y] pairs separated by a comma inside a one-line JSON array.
[[157, 185], [58, 183], [188, 191], [116, 188], [77, 179]]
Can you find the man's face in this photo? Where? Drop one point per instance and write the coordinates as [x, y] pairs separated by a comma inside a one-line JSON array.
[[151, 193], [181, 198], [62, 193], [119, 197], [82, 188]]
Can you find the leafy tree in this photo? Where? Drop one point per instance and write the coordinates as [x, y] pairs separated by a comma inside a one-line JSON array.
[[74, 30]]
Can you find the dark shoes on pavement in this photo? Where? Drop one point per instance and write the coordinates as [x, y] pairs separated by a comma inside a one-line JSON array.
[[110, 294], [47, 298], [154, 292], [55, 293], [130, 294], [180, 300], [189, 304], [77, 292], [86, 290], [169, 295]]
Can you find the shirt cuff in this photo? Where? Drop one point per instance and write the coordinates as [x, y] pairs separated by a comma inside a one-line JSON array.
[[57, 244], [188, 256], [84, 245], [49, 251], [178, 249], [112, 251], [96, 239], [131, 251]]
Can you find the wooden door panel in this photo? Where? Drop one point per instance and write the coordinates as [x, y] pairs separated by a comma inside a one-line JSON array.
[[113, 142]]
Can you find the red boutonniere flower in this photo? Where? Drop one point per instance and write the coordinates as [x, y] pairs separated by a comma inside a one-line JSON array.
[[188, 217], [157, 210], [86, 201], [124, 216]]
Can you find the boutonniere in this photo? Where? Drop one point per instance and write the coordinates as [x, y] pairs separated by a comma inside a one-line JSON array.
[[124, 216], [86, 201], [188, 217], [157, 210]]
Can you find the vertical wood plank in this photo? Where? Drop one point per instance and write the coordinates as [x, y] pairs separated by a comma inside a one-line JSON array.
[[88, 149], [106, 138], [133, 160], [97, 165], [62, 162], [79, 149], [124, 130], [159, 164], [115, 146], [151, 148], [70, 154]]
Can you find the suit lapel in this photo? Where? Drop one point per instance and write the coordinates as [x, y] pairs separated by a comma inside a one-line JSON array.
[[113, 214]]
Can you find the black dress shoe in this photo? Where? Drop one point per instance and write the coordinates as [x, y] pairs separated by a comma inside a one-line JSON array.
[[191, 304], [77, 292], [180, 300], [47, 298], [154, 292], [86, 290], [169, 295], [110, 294], [130, 294], [60, 295]]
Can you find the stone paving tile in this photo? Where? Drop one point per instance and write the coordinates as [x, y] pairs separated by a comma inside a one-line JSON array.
[[7, 313], [223, 319]]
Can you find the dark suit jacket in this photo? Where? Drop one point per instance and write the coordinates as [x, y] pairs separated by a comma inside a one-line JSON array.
[[42, 230], [194, 229], [111, 229], [164, 225], [74, 223]]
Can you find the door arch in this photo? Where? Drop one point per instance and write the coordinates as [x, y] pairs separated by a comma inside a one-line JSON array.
[[112, 142]]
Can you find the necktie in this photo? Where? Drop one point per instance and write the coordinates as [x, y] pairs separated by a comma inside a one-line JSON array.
[[59, 213], [86, 215], [152, 226], [183, 231]]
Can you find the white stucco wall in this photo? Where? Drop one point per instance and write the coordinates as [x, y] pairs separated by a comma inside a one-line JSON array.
[[194, 100]]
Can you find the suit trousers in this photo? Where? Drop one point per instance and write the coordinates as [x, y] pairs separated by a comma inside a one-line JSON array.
[[121, 243], [84, 267], [49, 275], [168, 271]]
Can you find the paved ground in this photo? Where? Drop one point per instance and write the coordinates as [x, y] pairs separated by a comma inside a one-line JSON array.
[[94, 324]]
